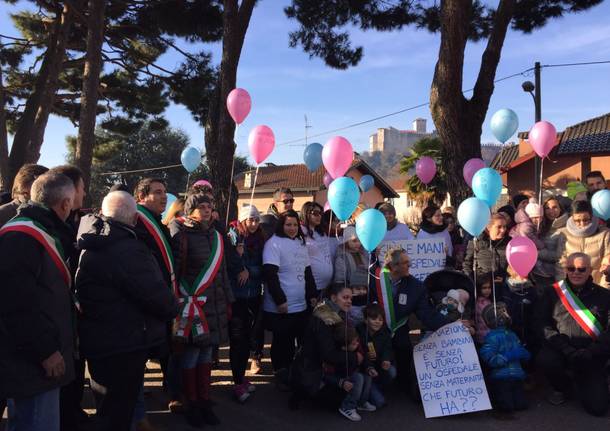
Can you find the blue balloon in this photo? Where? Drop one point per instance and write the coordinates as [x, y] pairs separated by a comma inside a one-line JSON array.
[[190, 158], [601, 204], [504, 124], [313, 156], [343, 197], [371, 227], [473, 215], [366, 182], [487, 185], [170, 200]]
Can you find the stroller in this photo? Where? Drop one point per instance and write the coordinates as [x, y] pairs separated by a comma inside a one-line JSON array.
[[440, 282]]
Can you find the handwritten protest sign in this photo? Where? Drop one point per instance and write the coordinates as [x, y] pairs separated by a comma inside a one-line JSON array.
[[449, 374], [427, 255]]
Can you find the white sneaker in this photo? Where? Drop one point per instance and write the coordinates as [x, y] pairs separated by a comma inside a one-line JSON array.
[[351, 414], [367, 407]]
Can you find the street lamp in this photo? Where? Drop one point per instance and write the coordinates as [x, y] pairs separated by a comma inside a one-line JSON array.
[[534, 90]]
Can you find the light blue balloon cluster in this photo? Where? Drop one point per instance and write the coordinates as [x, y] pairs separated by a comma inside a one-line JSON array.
[[600, 202], [343, 197], [190, 158], [371, 227], [366, 183], [313, 156], [473, 215], [487, 185]]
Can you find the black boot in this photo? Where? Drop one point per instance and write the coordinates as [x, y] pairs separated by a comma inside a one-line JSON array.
[[207, 413]]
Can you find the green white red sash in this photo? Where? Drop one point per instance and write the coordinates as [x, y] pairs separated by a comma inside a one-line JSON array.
[[191, 298], [583, 316], [153, 228], [383, 283], [50, 243]]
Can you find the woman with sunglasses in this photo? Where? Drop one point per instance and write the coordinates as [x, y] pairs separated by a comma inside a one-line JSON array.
[[317, 241], [584, 234]]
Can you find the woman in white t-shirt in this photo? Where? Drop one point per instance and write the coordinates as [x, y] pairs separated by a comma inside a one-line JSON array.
[[433, 227], [290, 288], [318, 244]]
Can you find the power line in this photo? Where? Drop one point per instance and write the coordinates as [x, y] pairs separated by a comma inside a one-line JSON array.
[[576, 64], [135, 171]]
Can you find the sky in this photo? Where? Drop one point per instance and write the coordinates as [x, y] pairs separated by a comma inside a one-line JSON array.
[[395, 73]]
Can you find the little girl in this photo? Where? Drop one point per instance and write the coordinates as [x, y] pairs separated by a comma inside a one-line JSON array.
[[484, 298]]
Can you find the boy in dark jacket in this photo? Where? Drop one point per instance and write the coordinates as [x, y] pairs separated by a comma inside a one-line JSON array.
[[502, 352], [376, 340]]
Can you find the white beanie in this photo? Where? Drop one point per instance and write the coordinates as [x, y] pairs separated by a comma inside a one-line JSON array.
[[249, 212], [533, 210]]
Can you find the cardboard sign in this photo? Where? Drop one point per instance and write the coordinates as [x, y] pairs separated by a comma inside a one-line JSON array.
[[449, 374], [427, 255]]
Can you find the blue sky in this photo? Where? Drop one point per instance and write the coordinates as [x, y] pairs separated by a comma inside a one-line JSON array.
[[395, 73]]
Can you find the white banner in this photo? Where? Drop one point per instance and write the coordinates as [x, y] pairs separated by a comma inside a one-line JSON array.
[[449, 374], [427, 255]]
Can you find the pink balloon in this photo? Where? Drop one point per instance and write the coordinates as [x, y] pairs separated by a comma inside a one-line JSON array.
[[203, 183], [470, 168], [542, 138], [239, 104], [521, 254], [326, 206], [327, 179], [261, 142], [337, 156], [425, 169]]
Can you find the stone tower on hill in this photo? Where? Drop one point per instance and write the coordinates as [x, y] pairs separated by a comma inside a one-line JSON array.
[[391, 140]]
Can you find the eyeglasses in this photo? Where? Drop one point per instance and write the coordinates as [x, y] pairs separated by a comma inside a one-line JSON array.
[[316, 212], [288, 201], [573, 269]]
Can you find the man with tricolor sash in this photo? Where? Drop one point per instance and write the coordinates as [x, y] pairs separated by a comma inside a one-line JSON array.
[[574, 314], [36, 332], [400, 294]]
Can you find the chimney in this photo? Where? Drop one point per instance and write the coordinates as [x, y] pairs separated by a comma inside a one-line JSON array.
[[419, 125], [248, 180]]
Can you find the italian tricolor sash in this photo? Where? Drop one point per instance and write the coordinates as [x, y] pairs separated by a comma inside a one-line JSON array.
[[383, 284], [191, 298], [155, 231], [583, 316], [50, 243]]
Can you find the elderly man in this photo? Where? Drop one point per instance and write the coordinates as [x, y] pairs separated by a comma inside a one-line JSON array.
[[575, 313], [402, 295], [21, 190], [36, 336], [125, 305]]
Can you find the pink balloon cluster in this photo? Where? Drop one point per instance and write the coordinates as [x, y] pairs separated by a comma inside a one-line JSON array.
[[542, 137], [337, 156], [239, 104], [261, 142]]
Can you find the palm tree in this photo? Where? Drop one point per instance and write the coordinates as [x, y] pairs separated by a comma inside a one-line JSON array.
[[435, 191]]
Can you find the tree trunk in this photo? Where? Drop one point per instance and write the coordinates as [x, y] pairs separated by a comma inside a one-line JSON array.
[[89, 96], [219, 127], [44, 92], [4, 170], [459, 121]]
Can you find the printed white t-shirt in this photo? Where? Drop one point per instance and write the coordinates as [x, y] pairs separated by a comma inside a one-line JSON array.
[[291, 257], [400, 232], [320, 257]]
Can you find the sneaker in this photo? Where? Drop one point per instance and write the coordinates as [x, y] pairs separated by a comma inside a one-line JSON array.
[[176, 406], [241, 393], [367, 407], [256, 366], [249, 386], [556, 398], [351, 414]]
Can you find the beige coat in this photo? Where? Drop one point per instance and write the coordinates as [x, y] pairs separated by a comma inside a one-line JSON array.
[[597, 246]]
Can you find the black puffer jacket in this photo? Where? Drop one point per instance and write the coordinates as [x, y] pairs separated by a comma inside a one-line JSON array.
[[35, 309], [145, 236], [489, 254], [125, 301]]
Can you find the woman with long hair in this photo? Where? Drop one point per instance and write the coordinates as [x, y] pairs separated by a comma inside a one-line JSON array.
[[318, 247], [554, 218]]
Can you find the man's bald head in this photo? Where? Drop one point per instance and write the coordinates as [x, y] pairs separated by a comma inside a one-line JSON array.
[[120, 206]]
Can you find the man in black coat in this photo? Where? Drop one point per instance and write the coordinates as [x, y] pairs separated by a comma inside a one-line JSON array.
[[125, 305], [21, 190], [36, 334], [575, 318]]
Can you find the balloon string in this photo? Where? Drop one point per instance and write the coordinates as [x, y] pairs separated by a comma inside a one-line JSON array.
[[540, 191], [474, 271], [254, 185], [493, 279], [231, 177], [372, 264], [188, 177]]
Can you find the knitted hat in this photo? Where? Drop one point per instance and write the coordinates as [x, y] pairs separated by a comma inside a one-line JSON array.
[[464, 296], [249, 212], [193, 201], [455, 294], [533, 210]]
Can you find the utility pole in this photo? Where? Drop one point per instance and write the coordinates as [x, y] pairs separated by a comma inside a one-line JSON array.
[[538, 107]]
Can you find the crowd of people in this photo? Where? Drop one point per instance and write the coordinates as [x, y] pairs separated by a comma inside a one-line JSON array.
[[114, 288]]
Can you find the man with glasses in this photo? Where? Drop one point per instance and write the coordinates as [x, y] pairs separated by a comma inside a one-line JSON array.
[[283, 200], [574, 315]]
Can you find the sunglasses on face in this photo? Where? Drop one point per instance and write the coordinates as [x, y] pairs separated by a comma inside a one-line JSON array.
[[574, 269], [288, 201], [315, 212]]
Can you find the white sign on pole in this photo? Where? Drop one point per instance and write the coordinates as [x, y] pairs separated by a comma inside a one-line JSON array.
[[449, 374], [427, 255]]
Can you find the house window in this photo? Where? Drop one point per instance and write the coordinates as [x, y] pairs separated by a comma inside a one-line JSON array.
[[248, 180]]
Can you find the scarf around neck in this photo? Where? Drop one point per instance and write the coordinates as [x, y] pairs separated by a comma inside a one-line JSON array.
[[582, 232]]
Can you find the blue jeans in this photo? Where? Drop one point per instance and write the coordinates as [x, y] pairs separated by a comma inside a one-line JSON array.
[[360, 391], [195, 355], [379, 384], [36, 413]]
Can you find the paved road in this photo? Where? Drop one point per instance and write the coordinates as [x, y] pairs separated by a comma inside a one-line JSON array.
[[267, 410]]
